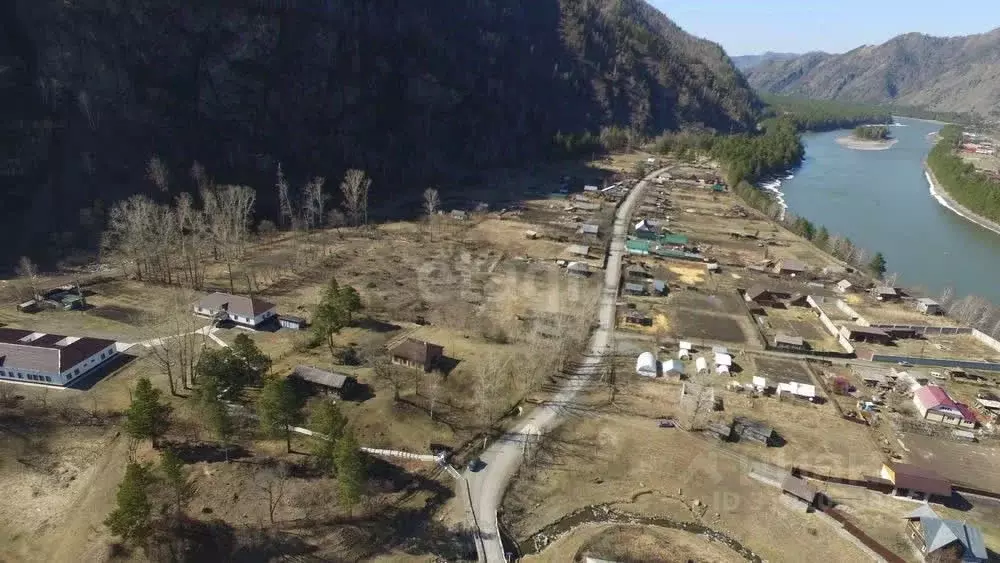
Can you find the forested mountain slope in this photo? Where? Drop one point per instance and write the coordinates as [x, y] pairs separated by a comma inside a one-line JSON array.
[[412, 91], [958, 74]]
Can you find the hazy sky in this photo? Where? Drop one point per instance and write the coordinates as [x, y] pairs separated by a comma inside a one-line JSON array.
[[745, 27]]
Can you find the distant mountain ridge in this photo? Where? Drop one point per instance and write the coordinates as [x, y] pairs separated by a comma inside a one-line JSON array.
[[958, 74], [746, 62]]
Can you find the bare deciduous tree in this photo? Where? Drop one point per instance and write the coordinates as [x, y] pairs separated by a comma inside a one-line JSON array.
[[431, 201], [286, 215], [270, 480], [158, 173], [313, 203], [387, 374], [177, 353], [492, 382], [355, 189], [28, 273]]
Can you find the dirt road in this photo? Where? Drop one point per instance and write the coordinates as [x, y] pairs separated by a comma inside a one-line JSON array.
[[504, 456]]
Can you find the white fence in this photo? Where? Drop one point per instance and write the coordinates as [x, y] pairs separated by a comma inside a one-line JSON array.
[[373, 451]]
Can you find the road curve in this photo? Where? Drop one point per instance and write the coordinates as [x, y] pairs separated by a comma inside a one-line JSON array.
[[503, 457]]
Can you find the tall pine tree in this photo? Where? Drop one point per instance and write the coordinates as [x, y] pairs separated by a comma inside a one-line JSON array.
[[277, 409], [147, 416], [350, 471], [130, 519]]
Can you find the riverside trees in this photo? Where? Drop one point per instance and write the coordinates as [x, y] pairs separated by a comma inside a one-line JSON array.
[[960, 179]]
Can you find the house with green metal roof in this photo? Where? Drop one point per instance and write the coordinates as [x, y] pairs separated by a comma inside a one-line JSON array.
[[636, 246], [674, 240]]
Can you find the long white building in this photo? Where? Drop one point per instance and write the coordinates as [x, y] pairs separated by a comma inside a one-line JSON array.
[[50, 359]]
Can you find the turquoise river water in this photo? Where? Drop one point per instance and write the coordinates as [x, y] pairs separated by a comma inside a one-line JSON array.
[[882, 201]]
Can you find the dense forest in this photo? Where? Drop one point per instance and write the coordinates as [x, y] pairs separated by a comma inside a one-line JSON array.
[[413, 93], [824, 115], [960, 179], [749, 156], [871, 132]]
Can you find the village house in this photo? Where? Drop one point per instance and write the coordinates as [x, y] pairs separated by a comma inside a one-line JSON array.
[[578, 250], [578, 269], [590, 188], [790, 268], [659, 287], [635, 289], [640, 247], [720, 430], [244, 311], [50, 359], [646, 229], [754, 431], [637, 318], [884, 293], [323, 382], [915, 482], [843, 286], [416, 354], [797, 390], [590, 229], [801, 490], [292, 322], [674, 241], [636, 273], [459, 214], [858, 333], [788, 342], [928, 306], [932, 534], [935, 405], [766, 296]]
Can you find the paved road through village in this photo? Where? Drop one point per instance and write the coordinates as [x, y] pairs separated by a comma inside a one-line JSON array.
[[502, 458]]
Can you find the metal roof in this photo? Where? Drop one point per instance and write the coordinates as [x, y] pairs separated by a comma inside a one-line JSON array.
[[912, 477], [589, 229], [320, 377], [580, 249], [789, 340], [674, 239], [939, 533], [247, 307], [800, 488], [47, 353]]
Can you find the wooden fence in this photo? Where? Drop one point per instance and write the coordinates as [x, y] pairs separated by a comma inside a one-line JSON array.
[[864, 538]]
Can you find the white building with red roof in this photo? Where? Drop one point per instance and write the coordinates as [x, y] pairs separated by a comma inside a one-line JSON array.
[[936, 405]]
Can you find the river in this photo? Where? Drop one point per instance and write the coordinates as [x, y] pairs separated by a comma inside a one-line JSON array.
[[881, 200]]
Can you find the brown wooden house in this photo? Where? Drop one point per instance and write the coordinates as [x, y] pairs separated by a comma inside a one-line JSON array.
[[416, 354]]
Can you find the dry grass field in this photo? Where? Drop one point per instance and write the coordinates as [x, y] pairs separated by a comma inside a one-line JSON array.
[[799, 321], [616, 454], [482, 286]]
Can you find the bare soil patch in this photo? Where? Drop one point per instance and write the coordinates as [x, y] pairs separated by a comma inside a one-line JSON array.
[[706, 326], [970, 463]]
